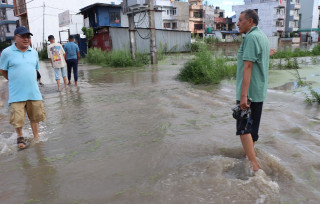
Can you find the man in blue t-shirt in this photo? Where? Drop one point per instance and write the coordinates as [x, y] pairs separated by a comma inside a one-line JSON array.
[[72, 56], [18, 64]]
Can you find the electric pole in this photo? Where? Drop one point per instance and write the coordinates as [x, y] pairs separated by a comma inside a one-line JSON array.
[[43, 25], [153, 48], [132, 36]]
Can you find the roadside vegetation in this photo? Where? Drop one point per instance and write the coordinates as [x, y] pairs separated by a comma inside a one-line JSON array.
[[118, 58], [207, 68], [296, 53]]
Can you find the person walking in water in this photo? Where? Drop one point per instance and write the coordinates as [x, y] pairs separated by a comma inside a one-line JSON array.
[[56, 55], [18, 64], [72, 56], [252, 80]]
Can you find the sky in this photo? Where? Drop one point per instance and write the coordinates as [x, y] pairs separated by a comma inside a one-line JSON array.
[[54, 7]]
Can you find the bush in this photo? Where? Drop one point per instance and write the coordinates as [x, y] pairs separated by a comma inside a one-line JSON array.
[[43, 54], [117, 58], [205, 69]]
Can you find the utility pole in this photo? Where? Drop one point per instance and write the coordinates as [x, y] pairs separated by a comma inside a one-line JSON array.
[[43, 25], [132, 36], [153, 48]]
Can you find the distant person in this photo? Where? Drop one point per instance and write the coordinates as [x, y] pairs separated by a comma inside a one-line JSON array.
[[18, 64], [72, 56], [56, 55], [252, 80]]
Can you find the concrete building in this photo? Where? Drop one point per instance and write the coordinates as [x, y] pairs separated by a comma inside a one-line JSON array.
[[272, 14], [174, 14], [309, 17], [196, 20], [209, 16], [292, 16], [182, 16], [8, 22]]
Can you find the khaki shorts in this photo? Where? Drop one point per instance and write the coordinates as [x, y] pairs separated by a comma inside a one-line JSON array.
[[35, 111]]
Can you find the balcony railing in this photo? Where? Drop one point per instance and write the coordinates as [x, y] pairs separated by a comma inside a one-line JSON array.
[[279, 16]]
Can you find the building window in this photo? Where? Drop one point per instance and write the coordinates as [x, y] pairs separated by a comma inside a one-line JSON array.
[[174, 25], [8, 30], [256, 10], [166, 25], [198, 26], [168, 12], [4, 14], [197, 14], [173, 12], [114, 17], [4, 1]]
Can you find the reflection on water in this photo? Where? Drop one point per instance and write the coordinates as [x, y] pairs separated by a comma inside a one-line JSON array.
[[136, 135]]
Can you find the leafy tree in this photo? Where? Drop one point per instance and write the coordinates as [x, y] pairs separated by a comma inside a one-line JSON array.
[[88, 33]]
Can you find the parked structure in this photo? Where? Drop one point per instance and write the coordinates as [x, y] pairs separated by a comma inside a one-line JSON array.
[[20, 10], [8, 22], [196, 20], [110, 34], [277, 17], [309, 16]]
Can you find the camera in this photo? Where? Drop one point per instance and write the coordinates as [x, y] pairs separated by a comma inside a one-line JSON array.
[[239, 114]]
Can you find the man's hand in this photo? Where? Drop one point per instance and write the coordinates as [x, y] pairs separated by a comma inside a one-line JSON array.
[[244, 103], [272, 52]]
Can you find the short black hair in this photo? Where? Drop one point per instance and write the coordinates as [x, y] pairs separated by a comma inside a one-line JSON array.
[[50, 37], [249, 13], [71, 37]]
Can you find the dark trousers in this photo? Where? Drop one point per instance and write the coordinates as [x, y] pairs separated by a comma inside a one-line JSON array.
[[72, 64]]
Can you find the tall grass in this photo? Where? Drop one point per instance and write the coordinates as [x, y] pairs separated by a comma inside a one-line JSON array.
[[117, 58], [297, 53], [206, 69]]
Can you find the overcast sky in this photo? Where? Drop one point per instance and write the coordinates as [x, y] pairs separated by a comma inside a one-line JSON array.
[[54, 7]]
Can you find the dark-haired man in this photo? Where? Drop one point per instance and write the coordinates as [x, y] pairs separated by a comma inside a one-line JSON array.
[[252, 80], [18, 64], [56, 55], [72, 56]]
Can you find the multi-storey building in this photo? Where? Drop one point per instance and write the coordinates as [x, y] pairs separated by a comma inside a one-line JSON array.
[[174, 14], [8, 22], [276, 17], [309, 18], [196, 14], [292, 16]]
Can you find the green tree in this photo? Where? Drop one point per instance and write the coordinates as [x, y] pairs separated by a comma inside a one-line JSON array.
[[88, 32]]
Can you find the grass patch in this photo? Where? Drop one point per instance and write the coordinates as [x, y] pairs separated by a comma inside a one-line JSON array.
[[287, 53], [118, 58], [206, 68]]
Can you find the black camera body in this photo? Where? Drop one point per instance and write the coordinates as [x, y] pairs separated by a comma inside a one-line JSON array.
[[239, 114]]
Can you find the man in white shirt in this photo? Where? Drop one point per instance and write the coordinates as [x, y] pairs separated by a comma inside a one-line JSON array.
[[56, 55]]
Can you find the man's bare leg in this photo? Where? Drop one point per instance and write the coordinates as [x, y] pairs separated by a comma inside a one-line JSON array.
[[58, 83], [248, 146], [19, 133], [65, 82], [35, 129], [76, 83]]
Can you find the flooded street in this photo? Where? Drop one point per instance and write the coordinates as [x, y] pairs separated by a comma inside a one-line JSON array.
[[138, 136]]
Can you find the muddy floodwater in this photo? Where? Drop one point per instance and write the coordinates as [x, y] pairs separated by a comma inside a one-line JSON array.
[[138, 136]]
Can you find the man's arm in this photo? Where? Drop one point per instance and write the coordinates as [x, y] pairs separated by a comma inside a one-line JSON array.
[[78, 55], [4, 73], [245, 84]]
